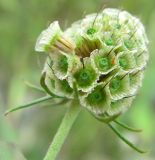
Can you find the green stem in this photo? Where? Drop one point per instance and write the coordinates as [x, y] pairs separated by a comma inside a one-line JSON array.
[[62, 132]]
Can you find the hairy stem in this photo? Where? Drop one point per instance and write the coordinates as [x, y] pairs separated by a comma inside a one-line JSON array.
[[62, 132]]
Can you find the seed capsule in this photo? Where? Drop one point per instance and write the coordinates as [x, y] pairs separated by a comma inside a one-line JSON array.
[[100, 60]]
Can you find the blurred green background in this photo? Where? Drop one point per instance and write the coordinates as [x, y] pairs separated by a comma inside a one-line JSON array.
[[29, 132]]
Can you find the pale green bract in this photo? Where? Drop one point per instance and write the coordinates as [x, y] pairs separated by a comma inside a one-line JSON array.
[[99, 60]]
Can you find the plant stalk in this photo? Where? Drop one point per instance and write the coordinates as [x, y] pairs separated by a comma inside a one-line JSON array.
[[62, 132]]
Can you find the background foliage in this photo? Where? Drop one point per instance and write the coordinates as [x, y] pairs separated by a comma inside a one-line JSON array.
[[30, 131]]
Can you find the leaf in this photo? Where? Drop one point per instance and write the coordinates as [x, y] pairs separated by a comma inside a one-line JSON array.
[[127, 127], [34, 86], [125, 140], [37, 101]]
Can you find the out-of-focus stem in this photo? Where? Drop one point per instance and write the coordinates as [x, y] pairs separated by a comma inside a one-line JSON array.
[[62, 132]]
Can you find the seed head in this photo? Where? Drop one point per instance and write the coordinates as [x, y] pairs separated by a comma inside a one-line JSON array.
[[99, 60]]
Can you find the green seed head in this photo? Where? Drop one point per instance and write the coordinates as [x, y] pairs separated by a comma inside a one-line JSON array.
[[99, 60]]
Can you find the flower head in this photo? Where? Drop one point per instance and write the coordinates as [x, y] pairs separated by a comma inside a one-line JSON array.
[[99, 60]]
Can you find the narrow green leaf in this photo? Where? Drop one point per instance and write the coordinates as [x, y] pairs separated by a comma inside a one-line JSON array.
[[127, 127], [37, 101], [34, 86], [125, 140]]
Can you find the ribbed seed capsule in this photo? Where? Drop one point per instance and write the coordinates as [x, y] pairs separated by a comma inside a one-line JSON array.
[[100, 61]]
